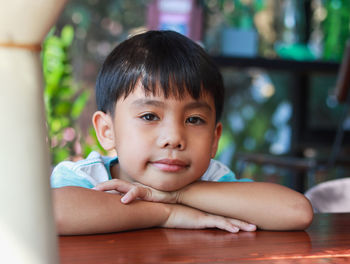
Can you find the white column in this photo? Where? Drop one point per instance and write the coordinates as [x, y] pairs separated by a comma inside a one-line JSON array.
[[27, 231]]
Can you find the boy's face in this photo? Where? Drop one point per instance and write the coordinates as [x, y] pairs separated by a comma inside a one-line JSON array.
[[164, 143]]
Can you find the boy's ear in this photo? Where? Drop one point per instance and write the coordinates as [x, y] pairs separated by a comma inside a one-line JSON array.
[[103, 124], [217, 135]]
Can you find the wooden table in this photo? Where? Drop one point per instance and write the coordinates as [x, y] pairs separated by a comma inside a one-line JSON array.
[[326, 241]]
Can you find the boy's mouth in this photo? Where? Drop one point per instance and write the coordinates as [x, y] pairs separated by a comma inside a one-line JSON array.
[[170, 165]]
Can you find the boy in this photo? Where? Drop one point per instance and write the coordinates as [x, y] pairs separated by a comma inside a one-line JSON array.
[[159, 99]]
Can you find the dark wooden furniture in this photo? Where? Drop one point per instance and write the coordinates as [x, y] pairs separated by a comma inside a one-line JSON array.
[[327, 240], [303, 135], [301, 72]]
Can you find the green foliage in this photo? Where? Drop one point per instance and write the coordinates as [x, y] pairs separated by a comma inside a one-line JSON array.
[[240, 14], [336, 28], [64, 99]]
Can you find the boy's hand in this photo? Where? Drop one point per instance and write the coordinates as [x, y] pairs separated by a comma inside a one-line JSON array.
[[190, 218], [180, 216], [133, 191]]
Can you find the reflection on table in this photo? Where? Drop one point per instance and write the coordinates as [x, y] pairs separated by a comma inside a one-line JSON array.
[[327, 240]]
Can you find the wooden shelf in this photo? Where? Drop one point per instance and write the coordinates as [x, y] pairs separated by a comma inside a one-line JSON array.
[[277, 64], [301, 71]]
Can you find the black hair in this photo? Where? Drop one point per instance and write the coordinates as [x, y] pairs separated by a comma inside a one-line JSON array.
[[165, 58]]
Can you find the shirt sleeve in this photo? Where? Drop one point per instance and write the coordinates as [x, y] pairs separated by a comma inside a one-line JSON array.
[[231, 177], [219, 172], [65, 175]]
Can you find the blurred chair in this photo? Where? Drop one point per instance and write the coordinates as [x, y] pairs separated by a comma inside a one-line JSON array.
[[330, 196], [308, 166]]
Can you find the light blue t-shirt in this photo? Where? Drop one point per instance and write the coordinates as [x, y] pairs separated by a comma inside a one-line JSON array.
[[95, 169]]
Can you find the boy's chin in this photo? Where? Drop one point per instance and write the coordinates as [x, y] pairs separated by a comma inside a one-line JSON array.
[[168, 187]]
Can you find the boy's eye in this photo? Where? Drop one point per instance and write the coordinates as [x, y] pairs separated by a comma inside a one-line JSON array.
[[195, 120], [149, 117]]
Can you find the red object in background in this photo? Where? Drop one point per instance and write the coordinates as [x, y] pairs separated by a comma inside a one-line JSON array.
[[343, 81], [183, 16]]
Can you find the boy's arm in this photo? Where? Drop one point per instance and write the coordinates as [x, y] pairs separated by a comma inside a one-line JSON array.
[[84, 211], [269, 206]]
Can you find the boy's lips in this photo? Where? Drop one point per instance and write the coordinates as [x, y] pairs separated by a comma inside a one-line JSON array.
[[170, 165]]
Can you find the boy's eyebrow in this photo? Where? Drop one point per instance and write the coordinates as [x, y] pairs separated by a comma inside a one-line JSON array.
[[139, 102], [198, 104], [192, 105]]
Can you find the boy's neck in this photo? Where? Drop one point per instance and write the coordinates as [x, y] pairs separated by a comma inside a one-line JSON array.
[[114, 170], [117, 174]]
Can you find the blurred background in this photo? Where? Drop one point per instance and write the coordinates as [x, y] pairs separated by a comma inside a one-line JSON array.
[[280, 60]]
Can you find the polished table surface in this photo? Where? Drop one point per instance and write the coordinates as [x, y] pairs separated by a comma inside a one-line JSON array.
[[327, 240]]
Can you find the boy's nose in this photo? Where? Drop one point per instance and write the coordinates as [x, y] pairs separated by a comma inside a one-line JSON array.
[[172, 137]]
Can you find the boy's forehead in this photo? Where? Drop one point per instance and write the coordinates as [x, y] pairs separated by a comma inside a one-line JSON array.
[[141, 92]]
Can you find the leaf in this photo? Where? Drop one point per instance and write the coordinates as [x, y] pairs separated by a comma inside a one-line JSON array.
[[56, 125], [225, 141], [79, 104], [63, 108], [67, 35], [60, 154]]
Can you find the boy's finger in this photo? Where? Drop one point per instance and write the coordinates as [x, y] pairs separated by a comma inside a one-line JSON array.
[[226, 225], [130, 196], [243, 225], [220, 223], [134, 193], [115, 184]]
